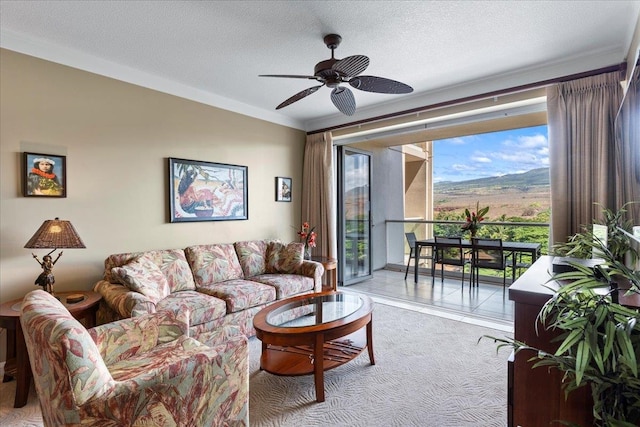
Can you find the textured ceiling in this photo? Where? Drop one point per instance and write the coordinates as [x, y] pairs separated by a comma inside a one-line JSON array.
[[213, 51]]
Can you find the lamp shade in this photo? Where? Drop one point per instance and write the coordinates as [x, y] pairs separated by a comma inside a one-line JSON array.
[[55, 233]]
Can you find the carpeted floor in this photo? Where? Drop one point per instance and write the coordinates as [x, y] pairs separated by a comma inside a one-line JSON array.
[[430, 371]]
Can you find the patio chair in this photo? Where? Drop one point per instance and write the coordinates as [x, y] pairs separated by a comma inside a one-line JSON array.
[[411, 240], [489, 253], [449, 251], [521, 262]]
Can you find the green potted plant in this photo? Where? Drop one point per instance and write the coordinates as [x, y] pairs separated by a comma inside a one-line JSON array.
[[581, 244], [599, 340]]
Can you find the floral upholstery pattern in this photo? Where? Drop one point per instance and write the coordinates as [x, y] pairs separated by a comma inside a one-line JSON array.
[[251, 255], [172, 263], [142, 371], [283, 258], [243, 320], [213, 263], [200, 307], [286, 285], [144, 276], [121, 302], [240, 294], [176, 269], [210, 283], [118, 260], [312, 269]]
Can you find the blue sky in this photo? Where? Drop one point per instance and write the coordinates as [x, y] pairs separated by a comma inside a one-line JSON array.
[[490, 154]]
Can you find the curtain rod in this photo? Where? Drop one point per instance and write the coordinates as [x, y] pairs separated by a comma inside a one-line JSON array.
[[622, 67]]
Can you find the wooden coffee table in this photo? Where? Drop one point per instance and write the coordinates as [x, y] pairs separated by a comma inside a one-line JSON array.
[[313, 333], [17, 358]]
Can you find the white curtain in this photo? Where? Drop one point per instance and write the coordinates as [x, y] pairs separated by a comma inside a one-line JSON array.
[[318, 205], [581, 116]]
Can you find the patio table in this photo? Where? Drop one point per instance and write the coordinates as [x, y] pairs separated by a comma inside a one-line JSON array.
[[532, 249]]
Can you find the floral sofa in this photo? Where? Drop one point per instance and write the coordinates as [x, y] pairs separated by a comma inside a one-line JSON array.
[[143, 371], [217, 285]]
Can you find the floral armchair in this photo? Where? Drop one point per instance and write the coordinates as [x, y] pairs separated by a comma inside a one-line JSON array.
[[143, 371]]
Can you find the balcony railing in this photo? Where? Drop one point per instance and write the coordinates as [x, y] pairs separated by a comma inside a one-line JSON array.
[[398, 249]]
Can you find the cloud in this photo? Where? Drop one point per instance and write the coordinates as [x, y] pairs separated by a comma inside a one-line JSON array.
[[481, 159], [515, 157], [460, 167], [491, 154], [527, 141], [456, 141]]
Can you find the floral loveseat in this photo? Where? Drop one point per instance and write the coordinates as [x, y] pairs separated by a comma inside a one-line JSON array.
[[217, 285]]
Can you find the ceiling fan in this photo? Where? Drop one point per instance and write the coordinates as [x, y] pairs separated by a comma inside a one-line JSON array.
[[332, 72]]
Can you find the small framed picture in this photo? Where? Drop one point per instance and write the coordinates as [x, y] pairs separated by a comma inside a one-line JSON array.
[[205, 191], [45, 175], [283, 189]]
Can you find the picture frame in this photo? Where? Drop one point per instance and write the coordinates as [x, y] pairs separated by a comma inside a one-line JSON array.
[[44, 175], [207, 191], [283, 189]]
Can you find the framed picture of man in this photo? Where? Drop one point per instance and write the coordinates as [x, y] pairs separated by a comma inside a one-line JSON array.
[[283, 189], [45, 175]]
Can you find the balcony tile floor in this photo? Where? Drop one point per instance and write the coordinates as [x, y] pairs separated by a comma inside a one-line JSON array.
[[486, 305]]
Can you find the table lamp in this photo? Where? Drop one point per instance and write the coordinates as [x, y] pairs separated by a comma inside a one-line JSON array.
[[52, 234]]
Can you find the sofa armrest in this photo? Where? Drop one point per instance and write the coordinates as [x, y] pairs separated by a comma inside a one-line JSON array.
[[125, 302], [312, 269], [128, 337]]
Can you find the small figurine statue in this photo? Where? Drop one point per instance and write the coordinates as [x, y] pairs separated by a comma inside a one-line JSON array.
[[46, 279]]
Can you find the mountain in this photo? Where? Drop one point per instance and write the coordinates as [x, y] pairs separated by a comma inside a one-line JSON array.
[[534, 179]]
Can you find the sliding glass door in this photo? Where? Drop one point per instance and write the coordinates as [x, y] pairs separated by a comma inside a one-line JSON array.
[[354, 215]]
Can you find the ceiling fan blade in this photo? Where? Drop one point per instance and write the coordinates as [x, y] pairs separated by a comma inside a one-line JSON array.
[[298, 96], [290, 76], [379, 85], [344, 100], [352, 65]]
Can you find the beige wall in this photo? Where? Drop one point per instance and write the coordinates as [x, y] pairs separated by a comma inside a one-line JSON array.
[[117, 138]]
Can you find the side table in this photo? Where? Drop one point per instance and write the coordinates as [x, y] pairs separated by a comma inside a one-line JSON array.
[[331, 267], [17, 358]]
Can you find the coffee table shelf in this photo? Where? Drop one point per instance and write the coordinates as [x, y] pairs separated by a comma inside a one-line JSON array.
[[299, 360]]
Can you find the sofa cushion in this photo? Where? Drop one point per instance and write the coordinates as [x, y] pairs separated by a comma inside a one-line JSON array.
[[282, 258], [213, 263], [252, 256], [176, 269], [143, 276], [287, 285], [174, 354], [202, 308], [240, 294]]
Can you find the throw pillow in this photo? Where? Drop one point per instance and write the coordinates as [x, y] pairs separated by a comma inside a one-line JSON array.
[[251, 255], [144, 276], [283, 258]]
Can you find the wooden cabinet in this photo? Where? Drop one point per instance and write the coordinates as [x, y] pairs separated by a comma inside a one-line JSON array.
[[536, 396]]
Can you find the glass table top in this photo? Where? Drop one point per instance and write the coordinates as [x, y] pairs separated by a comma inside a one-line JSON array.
[[315, 310]]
